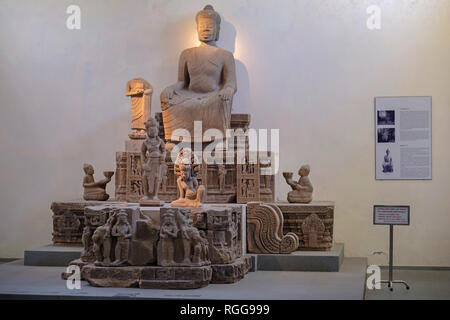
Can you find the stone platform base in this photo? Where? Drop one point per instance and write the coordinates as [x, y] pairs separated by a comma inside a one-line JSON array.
[[52, 255], [151, 203], [329, 261], [232, 272], [155, 277], [151, 277]]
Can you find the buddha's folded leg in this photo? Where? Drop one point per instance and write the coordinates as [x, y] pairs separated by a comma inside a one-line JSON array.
[[212, 111]]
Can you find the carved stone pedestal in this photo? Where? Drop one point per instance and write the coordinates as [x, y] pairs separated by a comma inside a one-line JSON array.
[[231, 272], [222, 226], [229, 183], [168, 248], [284, 227], [311, 222], [69, 220], [153, 277], [148, 277]]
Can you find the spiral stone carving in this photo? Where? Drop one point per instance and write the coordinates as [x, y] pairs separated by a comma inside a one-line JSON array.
[[289, 243], [265, 230]]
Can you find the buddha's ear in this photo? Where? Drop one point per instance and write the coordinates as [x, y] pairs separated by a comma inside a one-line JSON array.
[[217, 31]]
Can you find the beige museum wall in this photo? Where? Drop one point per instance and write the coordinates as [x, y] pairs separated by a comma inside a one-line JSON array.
[[310, 68]]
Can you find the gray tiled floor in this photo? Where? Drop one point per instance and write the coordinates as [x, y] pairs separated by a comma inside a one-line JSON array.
[[17, 279], [45, 282], [425, 284]]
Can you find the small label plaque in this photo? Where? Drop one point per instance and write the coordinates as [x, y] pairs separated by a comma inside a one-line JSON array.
[[391, 215]]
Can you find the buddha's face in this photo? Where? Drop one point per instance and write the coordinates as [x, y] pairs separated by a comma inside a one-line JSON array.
[[206, 29]]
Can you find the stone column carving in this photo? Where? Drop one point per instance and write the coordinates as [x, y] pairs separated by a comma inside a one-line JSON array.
[[121, 176], [247, 182]]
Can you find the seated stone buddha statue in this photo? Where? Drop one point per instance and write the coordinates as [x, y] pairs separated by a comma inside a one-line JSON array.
[[206, 84]]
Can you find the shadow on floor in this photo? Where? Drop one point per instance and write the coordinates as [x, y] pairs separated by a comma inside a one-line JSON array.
[[425, 285]]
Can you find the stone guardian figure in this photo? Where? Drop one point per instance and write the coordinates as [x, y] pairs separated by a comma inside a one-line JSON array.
[[102, 242], [190, 192], [167, 237], [122, 231]]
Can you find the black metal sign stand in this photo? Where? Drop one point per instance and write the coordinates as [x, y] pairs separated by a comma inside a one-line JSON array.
[[390, 282]]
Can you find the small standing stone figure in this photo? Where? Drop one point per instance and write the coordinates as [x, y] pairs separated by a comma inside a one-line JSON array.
[[140, 92], [244, 188], [191, 193], [301, 190], [122, 232], [221, 171], [185, 224], [153, 154], [200, 246], [102, 242], [164, 178], [86, 240], [95, 190], [167, 236]]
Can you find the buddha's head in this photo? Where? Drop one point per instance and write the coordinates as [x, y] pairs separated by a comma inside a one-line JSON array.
[[208, 24], [304, 171], [152, 127], [88, 169], [388, 151]]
